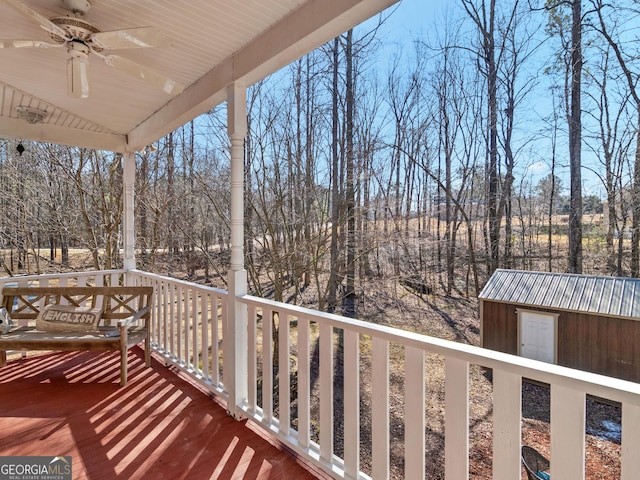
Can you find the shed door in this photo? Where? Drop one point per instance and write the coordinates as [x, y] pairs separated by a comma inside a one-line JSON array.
[[537, 336]]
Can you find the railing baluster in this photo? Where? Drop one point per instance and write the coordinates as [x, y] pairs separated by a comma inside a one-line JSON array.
[[205, 319], [630, 441], [180, 324], [304, 369], [567, 432], [216, 316], [351, 403], [456, 426], [380, 408], [224, 321], [186, 327], [252, 363], [507, 419], [267, 365], [196, 325], [172, 319], [155, 313], [99, 280], [326, 392], [414, 422], [166, 302], [284, 373]]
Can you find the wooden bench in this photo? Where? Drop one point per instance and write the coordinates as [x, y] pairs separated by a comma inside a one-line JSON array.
[[125, 313]]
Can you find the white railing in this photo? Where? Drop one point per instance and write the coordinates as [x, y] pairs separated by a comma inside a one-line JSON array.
[[314, 350], [188, 320], [188, 326], [355, 344], [95, 278]]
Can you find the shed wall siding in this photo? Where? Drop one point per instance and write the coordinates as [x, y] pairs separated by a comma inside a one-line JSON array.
[[500, 327], [605, 345]]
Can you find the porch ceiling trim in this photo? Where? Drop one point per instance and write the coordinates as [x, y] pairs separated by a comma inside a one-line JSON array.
[[11, 127]]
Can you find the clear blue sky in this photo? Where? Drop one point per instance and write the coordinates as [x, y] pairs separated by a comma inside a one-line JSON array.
[[420, 19], [415, 17], [412, 18]]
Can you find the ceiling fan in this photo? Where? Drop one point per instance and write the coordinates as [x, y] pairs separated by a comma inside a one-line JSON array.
[[81, 38]]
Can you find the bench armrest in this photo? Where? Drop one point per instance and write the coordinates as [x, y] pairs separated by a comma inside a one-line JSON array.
[[133, 320]]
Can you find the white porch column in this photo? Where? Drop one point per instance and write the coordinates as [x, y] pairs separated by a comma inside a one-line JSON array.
[[129, 238], [235, 349]]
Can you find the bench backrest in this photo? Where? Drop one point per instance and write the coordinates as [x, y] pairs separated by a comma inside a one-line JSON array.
[[116, 303]]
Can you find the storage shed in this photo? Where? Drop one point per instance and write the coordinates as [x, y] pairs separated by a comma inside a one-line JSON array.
[[587, 322]]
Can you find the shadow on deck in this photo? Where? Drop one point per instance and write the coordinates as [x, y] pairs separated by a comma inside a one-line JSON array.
[[159, 426]]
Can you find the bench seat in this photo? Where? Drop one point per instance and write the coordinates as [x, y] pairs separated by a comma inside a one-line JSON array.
[[28, 338]]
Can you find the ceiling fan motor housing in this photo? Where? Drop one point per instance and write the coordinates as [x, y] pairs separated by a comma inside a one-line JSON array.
[[76, 30], [78, 49]]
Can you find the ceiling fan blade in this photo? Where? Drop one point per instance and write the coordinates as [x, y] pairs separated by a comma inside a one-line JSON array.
[[26, 44], [78, 77], [143, 73], [42, 20], [131, 38]]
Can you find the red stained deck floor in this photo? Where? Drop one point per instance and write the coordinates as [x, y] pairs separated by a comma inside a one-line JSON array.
[[160, 426]]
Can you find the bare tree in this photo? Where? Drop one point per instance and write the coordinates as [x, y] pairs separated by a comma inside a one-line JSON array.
[[568, 30], [335, 181], [483, 16], [609, 28], [612, 144], [575, 141]]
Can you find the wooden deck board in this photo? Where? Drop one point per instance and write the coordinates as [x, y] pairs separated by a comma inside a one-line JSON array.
[[159, 426]]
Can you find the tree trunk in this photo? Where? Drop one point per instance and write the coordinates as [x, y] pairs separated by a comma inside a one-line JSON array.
[[335, 194], [575, 142], [485, 22], [350, 181]]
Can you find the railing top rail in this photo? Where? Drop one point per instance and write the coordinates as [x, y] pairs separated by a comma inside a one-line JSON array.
[[51, 276], [599, 385], [185, 283]]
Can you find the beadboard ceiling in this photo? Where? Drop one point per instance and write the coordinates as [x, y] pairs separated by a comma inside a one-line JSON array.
[[212, 44]]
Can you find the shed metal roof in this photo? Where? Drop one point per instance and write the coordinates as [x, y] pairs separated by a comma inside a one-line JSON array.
[[599, 295]]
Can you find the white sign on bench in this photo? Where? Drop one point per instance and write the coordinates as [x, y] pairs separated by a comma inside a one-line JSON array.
[[67, 318]]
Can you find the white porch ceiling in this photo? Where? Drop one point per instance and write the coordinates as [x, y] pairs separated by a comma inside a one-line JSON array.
[[214, 44]]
